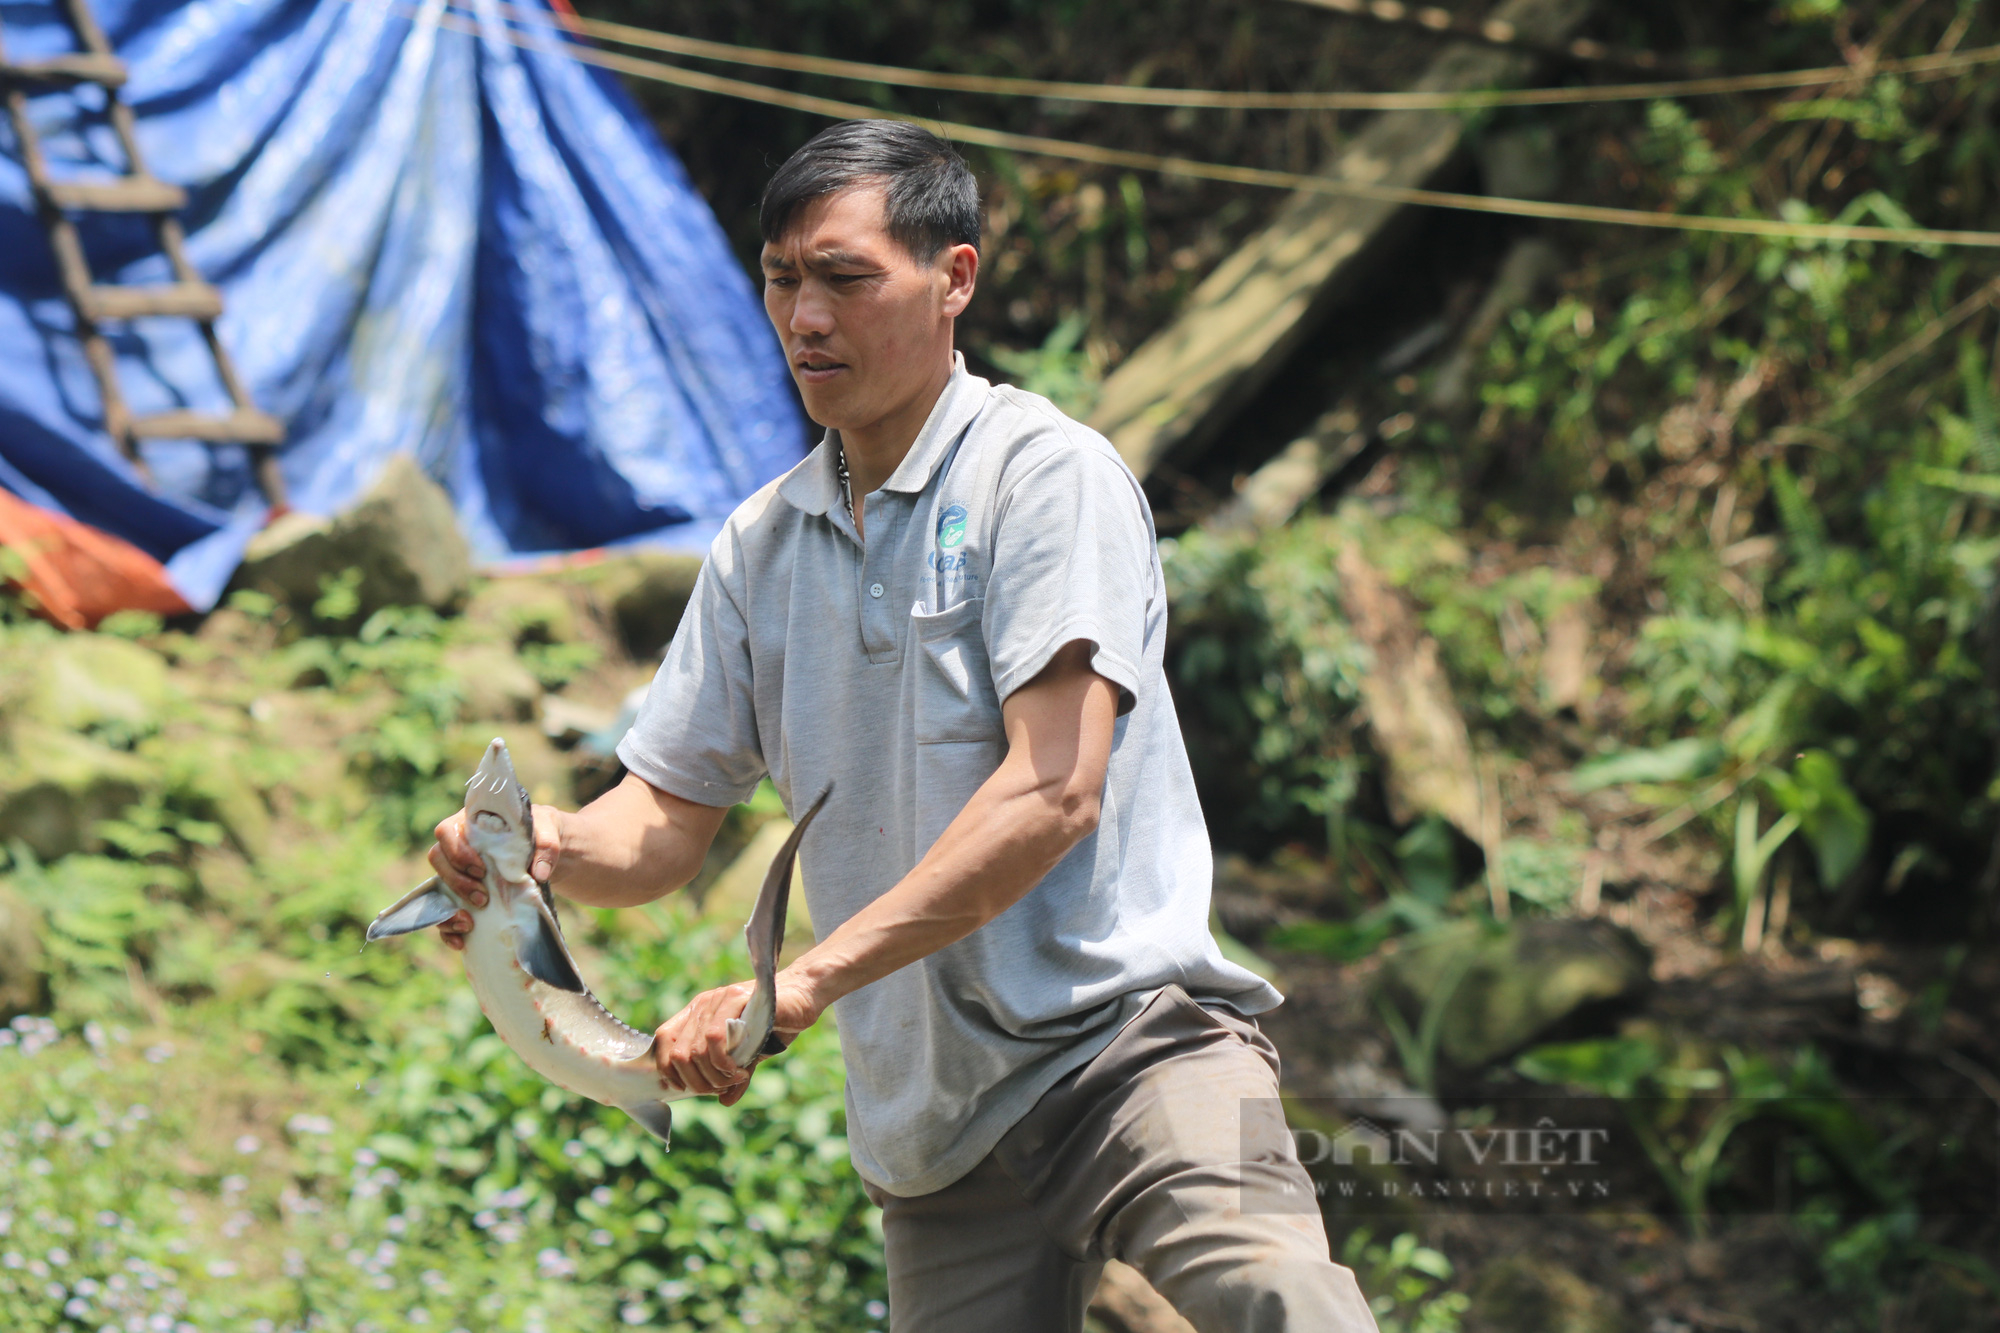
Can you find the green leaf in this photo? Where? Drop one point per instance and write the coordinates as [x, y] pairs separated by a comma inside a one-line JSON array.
[[1986, 488], [1610, 1065], [1829, 813], [1343, 941], [1676, 761]]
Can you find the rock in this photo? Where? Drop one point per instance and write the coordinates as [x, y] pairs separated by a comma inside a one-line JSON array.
[[526, 609], [497, 687], [734, 893], [1510, 986], [23, 970], [1520, 1294], [648, 591], [1126, 1303], [88, 682], [55, 785], [402, 536]]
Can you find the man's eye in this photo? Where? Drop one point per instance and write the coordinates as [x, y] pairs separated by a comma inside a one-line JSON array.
[[781, 282]]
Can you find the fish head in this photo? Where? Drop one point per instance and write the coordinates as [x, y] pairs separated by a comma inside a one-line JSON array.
[[499, 822]]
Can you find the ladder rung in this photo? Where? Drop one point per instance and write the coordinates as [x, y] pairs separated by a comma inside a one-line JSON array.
[[246, 425], [63, 72], [187, 300], [133, 194]]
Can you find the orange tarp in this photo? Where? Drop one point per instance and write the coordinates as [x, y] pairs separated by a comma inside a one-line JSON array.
[[75, 575]]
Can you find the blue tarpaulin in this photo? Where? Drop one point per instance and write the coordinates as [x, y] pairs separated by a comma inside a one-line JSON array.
[[429, 240]]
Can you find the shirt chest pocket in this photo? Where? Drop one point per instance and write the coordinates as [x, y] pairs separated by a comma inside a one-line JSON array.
[[954, 698]]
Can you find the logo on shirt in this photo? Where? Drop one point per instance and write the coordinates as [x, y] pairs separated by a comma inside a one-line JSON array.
[[951, 527]]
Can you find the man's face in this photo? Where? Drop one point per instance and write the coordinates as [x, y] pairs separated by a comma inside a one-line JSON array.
[[864, 324]]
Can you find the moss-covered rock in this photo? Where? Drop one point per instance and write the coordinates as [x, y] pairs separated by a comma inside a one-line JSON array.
[[646, 592], [87, 682], [526, 609], [402, 537], [1502, 988], [495, 685], [56, 785]]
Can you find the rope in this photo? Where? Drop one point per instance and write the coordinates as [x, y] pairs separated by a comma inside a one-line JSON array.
[[1491, 31], [622, 34], [548, 42]]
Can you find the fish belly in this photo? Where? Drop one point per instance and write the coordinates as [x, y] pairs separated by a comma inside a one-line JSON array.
[[531, 1019]]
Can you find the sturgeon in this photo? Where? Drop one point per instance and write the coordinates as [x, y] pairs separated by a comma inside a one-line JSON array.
[[526, 980]]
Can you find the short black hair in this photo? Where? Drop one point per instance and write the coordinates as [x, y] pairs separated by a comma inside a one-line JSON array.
[[933, 200]]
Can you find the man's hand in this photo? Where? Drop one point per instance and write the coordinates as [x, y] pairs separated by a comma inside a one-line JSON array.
[[464, 873], [692, 1047]]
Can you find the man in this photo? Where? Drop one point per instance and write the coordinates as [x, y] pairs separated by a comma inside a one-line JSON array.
[[953, 611]]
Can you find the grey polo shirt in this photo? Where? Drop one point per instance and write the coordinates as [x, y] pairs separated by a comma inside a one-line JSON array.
[[1007, 532]]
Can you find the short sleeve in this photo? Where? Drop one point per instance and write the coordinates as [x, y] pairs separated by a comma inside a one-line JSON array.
[[696, 734], [1073, 558]]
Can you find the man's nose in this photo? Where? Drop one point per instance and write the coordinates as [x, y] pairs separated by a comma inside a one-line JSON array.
[[812, 311]]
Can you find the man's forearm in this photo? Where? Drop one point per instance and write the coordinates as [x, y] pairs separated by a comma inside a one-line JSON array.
[[1010, 834], [631, 845], [1040, 802]]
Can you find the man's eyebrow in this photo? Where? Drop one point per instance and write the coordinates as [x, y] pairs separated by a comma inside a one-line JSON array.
[[845, 259], [778, 261]]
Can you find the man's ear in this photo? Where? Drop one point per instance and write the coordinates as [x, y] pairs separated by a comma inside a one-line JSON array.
[[961, 269]]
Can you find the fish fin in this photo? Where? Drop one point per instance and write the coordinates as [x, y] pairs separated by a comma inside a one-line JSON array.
[[543, 955], [657, 1118], [426, 905], [765, 934]]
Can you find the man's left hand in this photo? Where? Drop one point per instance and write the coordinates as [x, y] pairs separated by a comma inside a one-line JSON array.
[[692, 1047]]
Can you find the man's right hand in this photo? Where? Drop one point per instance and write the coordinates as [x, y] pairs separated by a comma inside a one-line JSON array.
[[462, 871]]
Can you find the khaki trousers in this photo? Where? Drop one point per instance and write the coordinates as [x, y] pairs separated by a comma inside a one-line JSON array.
[[1141, 1155]]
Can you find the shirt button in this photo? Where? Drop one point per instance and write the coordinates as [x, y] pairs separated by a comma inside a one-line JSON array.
[[874, 590]]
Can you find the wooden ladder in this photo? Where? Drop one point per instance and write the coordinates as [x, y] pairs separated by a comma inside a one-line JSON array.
[[94, 303]]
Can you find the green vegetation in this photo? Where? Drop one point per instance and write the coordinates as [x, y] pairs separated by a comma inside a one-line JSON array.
[[233, 1115], [1708, 565]]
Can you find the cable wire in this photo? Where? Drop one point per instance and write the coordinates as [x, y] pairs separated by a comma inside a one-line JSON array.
[[549, 41], [622, 34]]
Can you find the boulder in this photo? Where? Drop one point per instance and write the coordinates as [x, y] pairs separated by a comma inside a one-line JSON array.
[[55, 785], [402, 536], [647, 592], [1520, 1294], [88, 682], [526, 608], [497, 687], [23, 970], [1506, 987]]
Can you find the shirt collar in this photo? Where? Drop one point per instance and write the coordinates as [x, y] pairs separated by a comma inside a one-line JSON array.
[[814, 485], [964, 394]]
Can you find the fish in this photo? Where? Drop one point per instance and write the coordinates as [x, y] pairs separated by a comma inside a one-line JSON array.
[[527, 982]]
